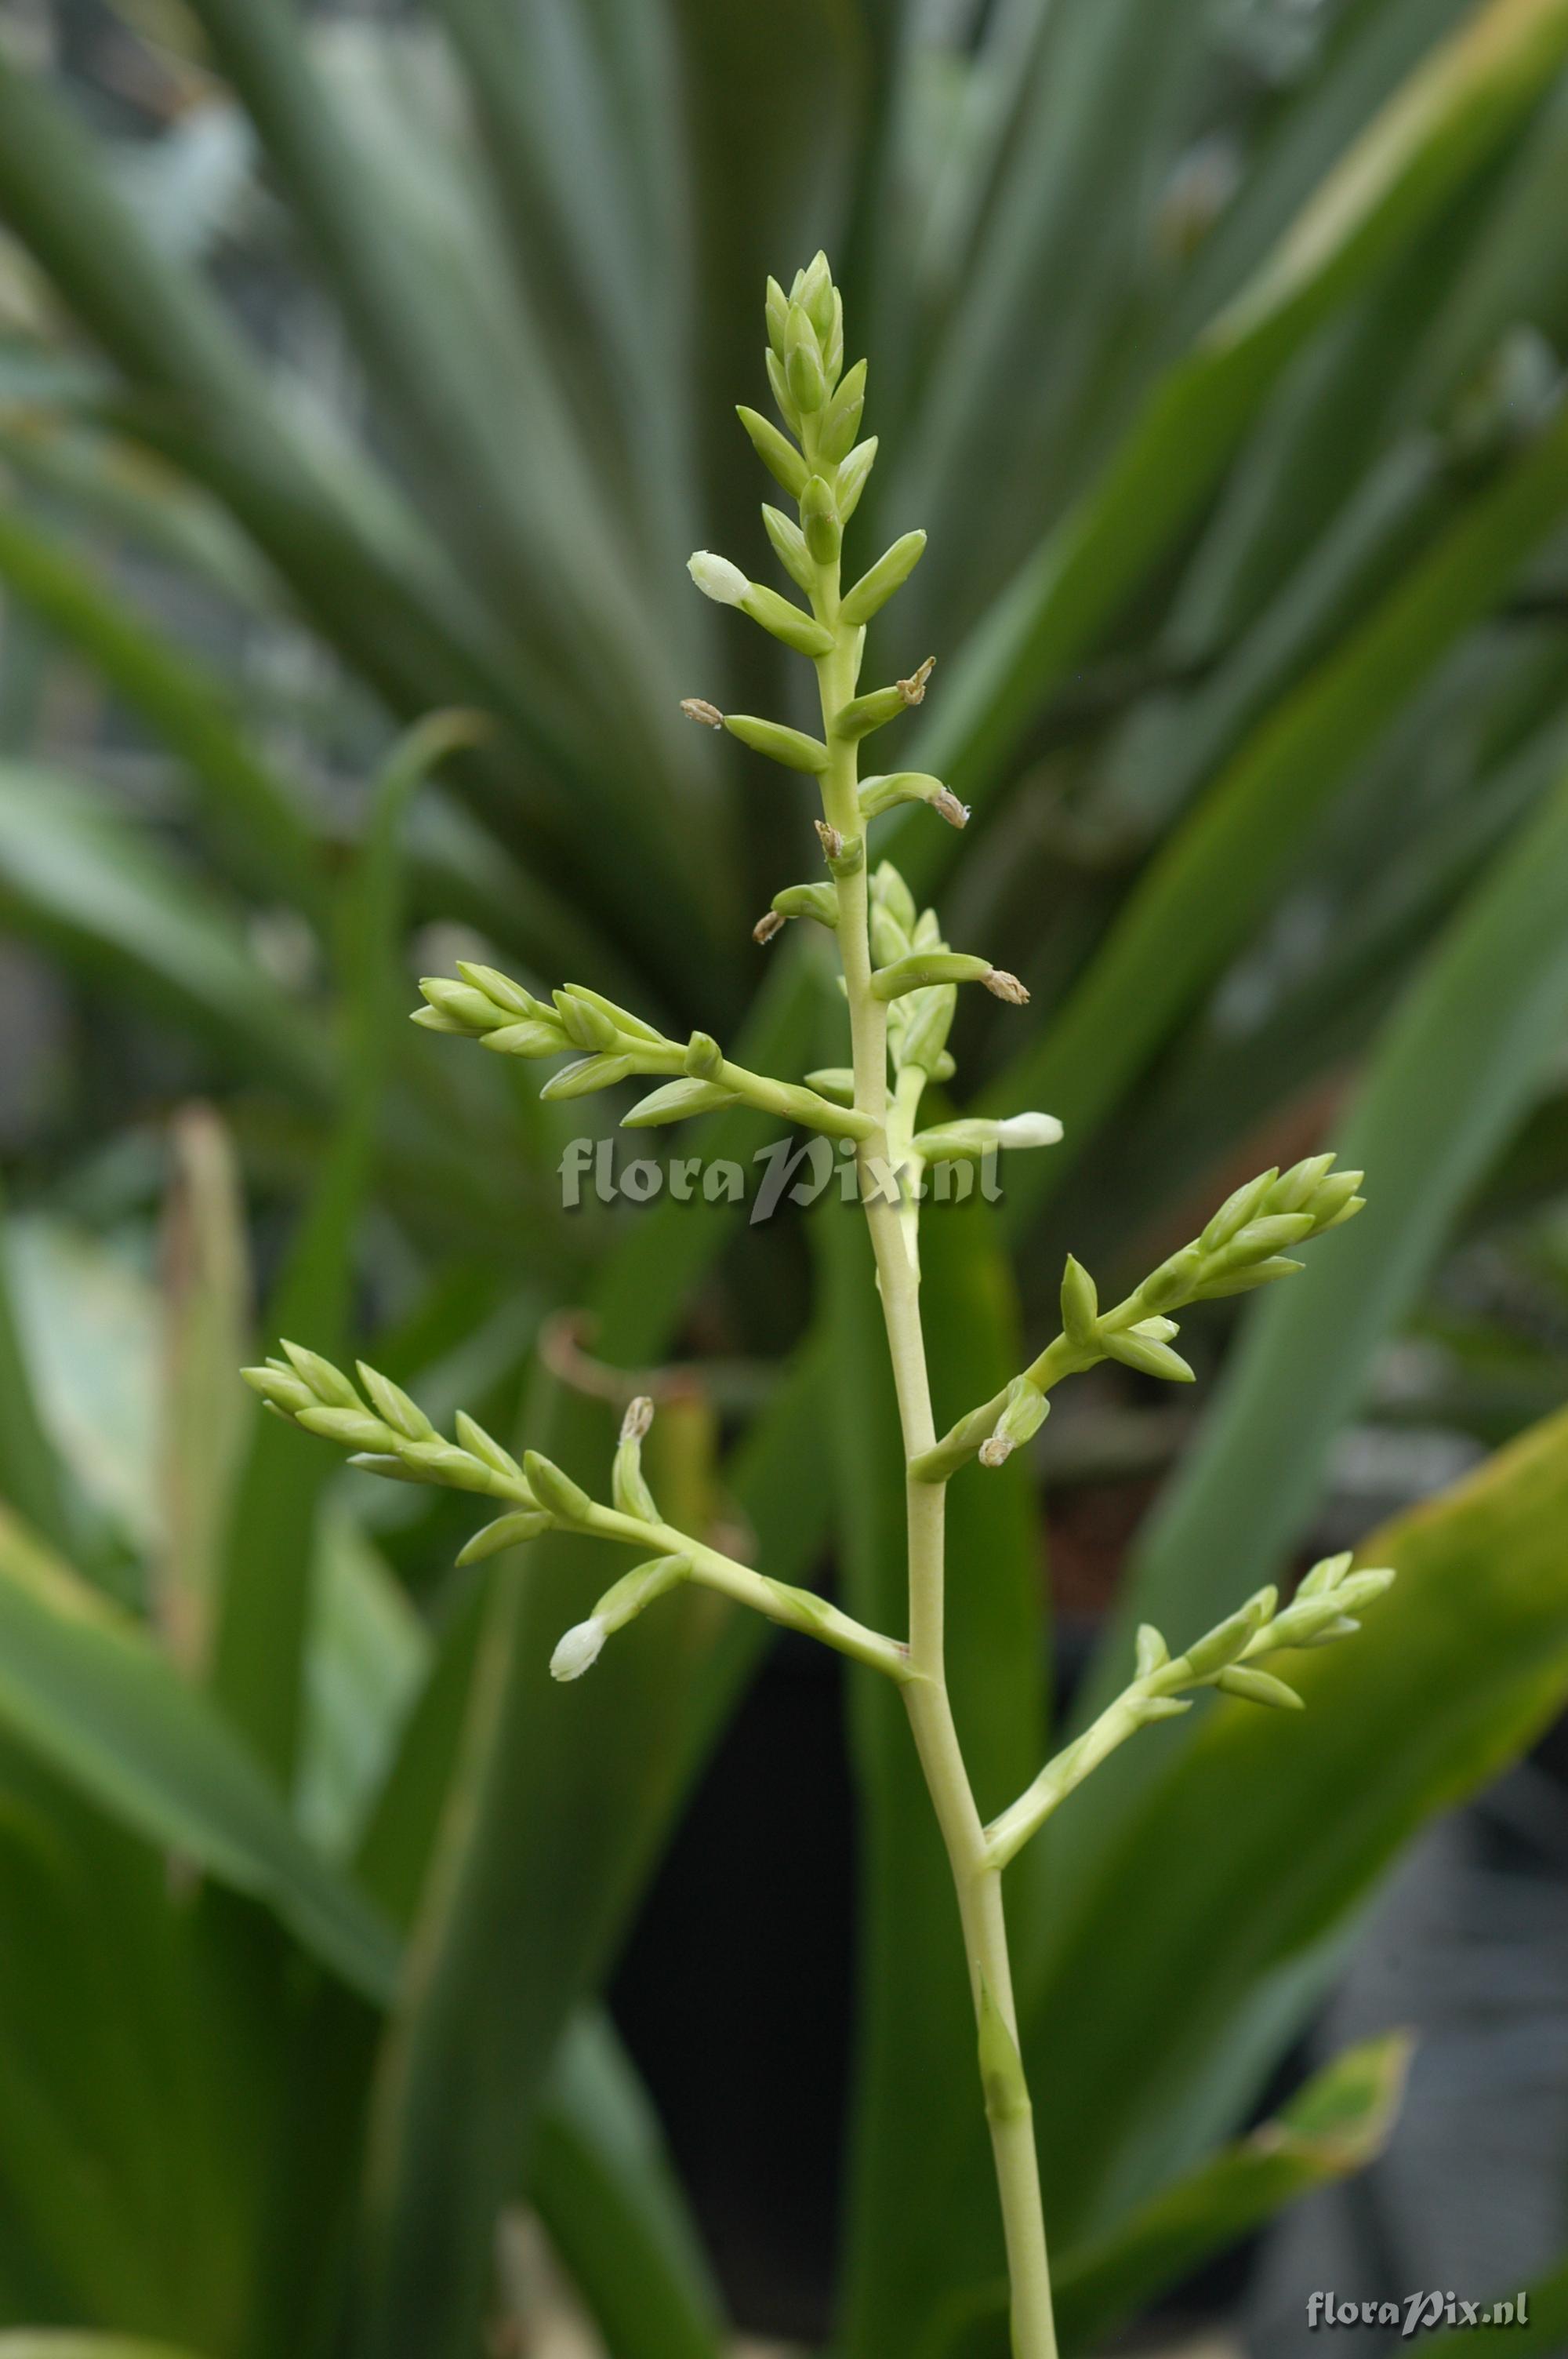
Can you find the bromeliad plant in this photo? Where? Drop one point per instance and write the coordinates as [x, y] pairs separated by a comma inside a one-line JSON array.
[[900, 979]]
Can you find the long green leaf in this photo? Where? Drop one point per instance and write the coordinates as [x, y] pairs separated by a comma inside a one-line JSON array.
[[83, 1686], [77, 873], [1277, 1832], [51, 2343], [258, 821], [1457, 108], [1453, 1073], [1335, 2125], [604, 2189], [266, 1602], [1211, 882]]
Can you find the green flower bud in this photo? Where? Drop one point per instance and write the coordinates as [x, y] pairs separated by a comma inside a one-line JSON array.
[[507, 1531], [704, 1058], [326, 1383], [589, 1074], [1237, 1211], [483, 1446], [801, 632], [891, 571], [557, 1493], [351, 1427], [776, 307], [835, 1081], [1142, 1352], [1293, 1188], [473, 1009], [1153, 1651], [818, 901], [1259, 1687], [803, 363], [819, 520], [585, 1023], [1080, 1304], [627, 1484], [1174, 1279], [1326, 1575], [790, 746], [1247, 1279], [889, 889], [922, 1038], [526, 1039], [873, 710], [885, 793], [284, 1390], [813, 292], [578, 1651], [841, 420], [500, 988], [676, 1102], [852, 473], [789, 546], [921, 967], [777, 453], [393, 1405], [780, 392], [1327, 1201], [1230, 1639], [1260, 1238]]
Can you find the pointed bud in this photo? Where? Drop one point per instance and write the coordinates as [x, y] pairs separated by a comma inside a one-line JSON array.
[[792, 747], [1237, 1211], [789, 546], [776, 451], [863, 713], [817, 901], [589, 1074], [890, 572], [889, 889], [785, 621], [717, 578], [557, 1493], [852, 473], [842, 421], [1153, 1651], [393, 1405], [526, 1039], [506, 994], [1259, 1687], [779, 382], [1294, 1188], [819, 520], [677, 1101], [287, 1393], [507, 1531], [777, 309], [704, 1058], [803, 363], [1149, 1357], [1229, 1639], [1080, 1304], [578, 1651], [326, 1383]]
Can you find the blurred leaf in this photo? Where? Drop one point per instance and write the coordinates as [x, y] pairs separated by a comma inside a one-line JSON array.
[[257, 819], [30, 1468], [206, 1319], [75, 871], [1336, 2125], [366, 1660], [1453, 1072], [51, 2343], [262, 1629], [916, 2222], [1194, 903], [1457, 107], [605, 2190], [81, 1684], [1543, 2332], [1312, 1814]]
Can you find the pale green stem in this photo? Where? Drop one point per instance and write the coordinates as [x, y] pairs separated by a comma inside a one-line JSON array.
[[976, 1878], [798, 1609]]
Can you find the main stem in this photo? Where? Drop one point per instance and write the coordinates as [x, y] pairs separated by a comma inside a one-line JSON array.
[[977, 1880]]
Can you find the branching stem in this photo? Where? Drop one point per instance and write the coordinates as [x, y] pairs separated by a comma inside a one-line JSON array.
[[976, 1876]]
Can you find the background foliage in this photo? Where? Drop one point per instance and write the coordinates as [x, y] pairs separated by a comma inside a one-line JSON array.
[[353, 370]]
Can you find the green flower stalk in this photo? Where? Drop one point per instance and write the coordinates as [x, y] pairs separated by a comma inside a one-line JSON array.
[[901, 982]]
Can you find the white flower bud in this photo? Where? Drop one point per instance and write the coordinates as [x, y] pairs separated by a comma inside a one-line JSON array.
[[717, 578], [1028, 1130], [579, 1649]]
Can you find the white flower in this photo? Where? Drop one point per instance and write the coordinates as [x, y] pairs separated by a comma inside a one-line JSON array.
[[579, 1649], [1028, 1130], [717, 578]]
